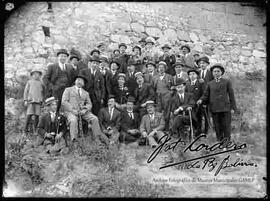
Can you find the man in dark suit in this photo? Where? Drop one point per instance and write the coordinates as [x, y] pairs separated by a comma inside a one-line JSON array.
[[52, 128], [220, 97], [130, 77], [143, 92], [95, 85], [106, 73], [58, 77], [180, 73], [121, 92], [77, 64], [123, 58], [110, 121], [181, 103], [112, 76], [129, 123], [168, 58], [195, 88], [150, 72]]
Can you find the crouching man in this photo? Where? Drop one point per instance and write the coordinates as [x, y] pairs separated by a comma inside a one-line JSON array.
[[152, 124], [76, 103], [51, 128]]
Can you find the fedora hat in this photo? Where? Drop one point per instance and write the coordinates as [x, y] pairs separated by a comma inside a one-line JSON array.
[[217, 65], [179, 82], [122, 44], [166, 46], [193, 70], [94, 50], [131, 99], [150, 40], [204, 58], [74, 56], [151, 62], [81, 76], [62, 51], [186, 46]]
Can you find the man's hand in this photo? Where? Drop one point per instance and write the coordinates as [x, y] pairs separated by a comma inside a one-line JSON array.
[[189, 108], [199, 102], [25, 103], [49, 135], [144, 134]]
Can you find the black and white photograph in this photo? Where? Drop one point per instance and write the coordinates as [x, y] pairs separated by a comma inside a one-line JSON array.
[[135, 99]]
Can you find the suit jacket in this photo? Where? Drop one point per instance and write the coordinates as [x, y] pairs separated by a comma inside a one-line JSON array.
[[131, 83], [104, 119], [127, 122], [80, 67], [148, 125], [123, 59], [220, 96], [112, 81], [121, 95], [196, 90], [71, 101], [188, 102], [148, 78], [167, 78], [51, 77], [107, 82], [95, 85], [146, 92], [208, 77], [169, 60], [44, 124]]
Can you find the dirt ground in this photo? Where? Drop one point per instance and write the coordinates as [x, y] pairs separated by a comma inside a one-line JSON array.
[[38, 174]]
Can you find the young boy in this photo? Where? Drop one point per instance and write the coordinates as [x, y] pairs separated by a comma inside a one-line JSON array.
[[33, 98]]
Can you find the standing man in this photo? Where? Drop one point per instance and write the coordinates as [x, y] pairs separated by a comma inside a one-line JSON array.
[[220, 97], [195, 87], [58, 77], [152, 124], [180, 73], [129, 123], [149, 53], [123, 58], [150, 72], [76, 103], [74, 61], [187, 57], [110, 120], [130, 75], [102, 49], [168, 58], [95, 85], [121, 92], [137, 58]]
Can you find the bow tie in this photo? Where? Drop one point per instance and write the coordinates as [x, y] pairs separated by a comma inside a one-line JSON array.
[[217, 80]]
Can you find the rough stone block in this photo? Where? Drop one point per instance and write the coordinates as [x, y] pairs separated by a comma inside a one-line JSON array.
[[260, 46], [170, 34], [198, 48], [257, 53], [120, 39], [243, 59], [153, 31], [193, 37], [246, 53], [137, 27]]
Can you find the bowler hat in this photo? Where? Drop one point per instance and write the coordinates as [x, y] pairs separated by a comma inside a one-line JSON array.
[[94, 50], [166, 46], [179, 82], [186, 46], [74, 56], [138, 47], [217, 65], [39, 71], [116, 62], [162, 63], [193, 70], [138, 74], [116, 50], [204, 58], [62, 51], [178, 63], [50, 100], [94, 58], [122, 44], [81, 76], [150, 62], [131, 99]]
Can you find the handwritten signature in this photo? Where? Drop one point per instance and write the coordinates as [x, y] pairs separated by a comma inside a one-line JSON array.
[[210, 162]]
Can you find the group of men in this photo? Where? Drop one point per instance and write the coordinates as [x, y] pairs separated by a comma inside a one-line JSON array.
[[129, 97]]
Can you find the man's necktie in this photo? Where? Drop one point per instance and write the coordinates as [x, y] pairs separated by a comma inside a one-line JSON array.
[[79, 92], [111, 113], [53, 116], [181, 98], [131, 115]]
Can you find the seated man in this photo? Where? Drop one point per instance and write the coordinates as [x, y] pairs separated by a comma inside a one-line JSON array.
[[76, 103], [180, 104], [129, 123], [110, 119], [51, 128], [152, 124]]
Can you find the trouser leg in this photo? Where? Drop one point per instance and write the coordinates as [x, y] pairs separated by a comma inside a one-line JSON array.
[[217, 125], [73, 126], [226, 125], [36, 121], [28, 121]]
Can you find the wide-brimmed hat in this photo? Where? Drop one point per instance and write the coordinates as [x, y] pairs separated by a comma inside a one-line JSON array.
[[116, 50], [217, 65], [36, 70], [166, 46], [150, 62], [162, 63], [178, 63], [81, 76], [150, 40], [148, 102], [50, 100], [204, 58], [131, 99], [138, 74], [186, 47], [121, 75], [179, 82], [94, 50], [122, 44], [116, 62], [62, 51], [193, 70]]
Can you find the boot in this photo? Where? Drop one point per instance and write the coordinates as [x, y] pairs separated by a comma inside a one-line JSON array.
[[36, 122], [28, 122]]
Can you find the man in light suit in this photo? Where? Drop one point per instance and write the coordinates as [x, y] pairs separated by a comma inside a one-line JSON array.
[[58, 77], [152, 124], [187, 58], [180, 73], [150, 72], [110, 120], [204, 73], [75, 102]]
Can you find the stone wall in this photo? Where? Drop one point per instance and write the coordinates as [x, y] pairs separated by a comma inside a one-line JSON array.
[[227, 32]]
